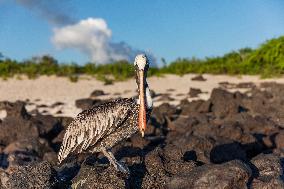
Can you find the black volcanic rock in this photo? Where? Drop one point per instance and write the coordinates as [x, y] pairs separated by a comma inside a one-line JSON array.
[[224, 103], [19, 125], [38, 175], [230, 175], [195, 106], [194, 92], [231, 140], [267, 165], [246, 85], [87, 103], [101, 177], [25, 152], [17, 128], [226, 152], [267, 171], [198, 78], [97, 93], [164, 110], [16, 109]]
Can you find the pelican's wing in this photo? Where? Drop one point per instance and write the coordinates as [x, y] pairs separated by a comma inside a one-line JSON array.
[[93, 124]]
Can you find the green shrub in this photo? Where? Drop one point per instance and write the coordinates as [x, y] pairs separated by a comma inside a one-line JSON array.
[[267, 61], [73, 78]]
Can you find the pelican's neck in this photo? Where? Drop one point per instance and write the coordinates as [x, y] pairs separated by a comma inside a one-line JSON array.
[[149, 100]]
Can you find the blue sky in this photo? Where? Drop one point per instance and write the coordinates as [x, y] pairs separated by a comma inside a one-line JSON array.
[[166, 28]]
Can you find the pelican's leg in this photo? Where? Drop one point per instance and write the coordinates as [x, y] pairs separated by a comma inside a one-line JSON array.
[[117, 165]]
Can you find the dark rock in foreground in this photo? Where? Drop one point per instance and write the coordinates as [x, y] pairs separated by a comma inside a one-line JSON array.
[[40, 175], [231, 175], [268, 171], [91, 176]]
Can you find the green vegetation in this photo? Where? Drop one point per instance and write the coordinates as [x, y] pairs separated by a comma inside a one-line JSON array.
[[267, 61]]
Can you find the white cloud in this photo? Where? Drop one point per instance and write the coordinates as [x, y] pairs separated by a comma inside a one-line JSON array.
[[92, 37]]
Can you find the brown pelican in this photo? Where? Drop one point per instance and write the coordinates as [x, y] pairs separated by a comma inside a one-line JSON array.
[[101, 127]]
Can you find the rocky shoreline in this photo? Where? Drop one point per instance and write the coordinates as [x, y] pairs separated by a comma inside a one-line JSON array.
[[231, 140]]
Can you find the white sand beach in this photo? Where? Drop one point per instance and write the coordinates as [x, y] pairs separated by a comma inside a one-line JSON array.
[[49, 90]]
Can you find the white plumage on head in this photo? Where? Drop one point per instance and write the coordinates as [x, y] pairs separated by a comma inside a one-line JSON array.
[[140, 61]]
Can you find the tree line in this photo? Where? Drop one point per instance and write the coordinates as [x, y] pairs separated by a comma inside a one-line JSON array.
[[267, 60]]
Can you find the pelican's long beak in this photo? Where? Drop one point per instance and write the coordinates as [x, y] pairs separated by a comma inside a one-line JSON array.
[[142, 109]]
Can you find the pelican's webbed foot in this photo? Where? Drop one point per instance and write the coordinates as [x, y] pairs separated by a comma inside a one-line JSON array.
[[122, 168], [119, 166]]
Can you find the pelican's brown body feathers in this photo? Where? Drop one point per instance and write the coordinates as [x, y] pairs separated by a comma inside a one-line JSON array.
[[100, 127]]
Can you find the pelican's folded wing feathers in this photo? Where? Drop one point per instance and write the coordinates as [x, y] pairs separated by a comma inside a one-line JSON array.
[[92, 125]]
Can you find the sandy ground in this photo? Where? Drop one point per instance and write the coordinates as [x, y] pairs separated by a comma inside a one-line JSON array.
[[49, 90]]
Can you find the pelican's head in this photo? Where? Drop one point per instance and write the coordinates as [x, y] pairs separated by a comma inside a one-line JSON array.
[[141, 65], [141, 62]]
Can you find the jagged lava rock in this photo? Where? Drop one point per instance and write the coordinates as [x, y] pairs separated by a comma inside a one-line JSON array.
[[99, 177], [267, 171], [230, 175], [38, 175]]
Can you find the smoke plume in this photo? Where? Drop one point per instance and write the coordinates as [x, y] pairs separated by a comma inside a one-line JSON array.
[[89, 36], [51, 10]]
